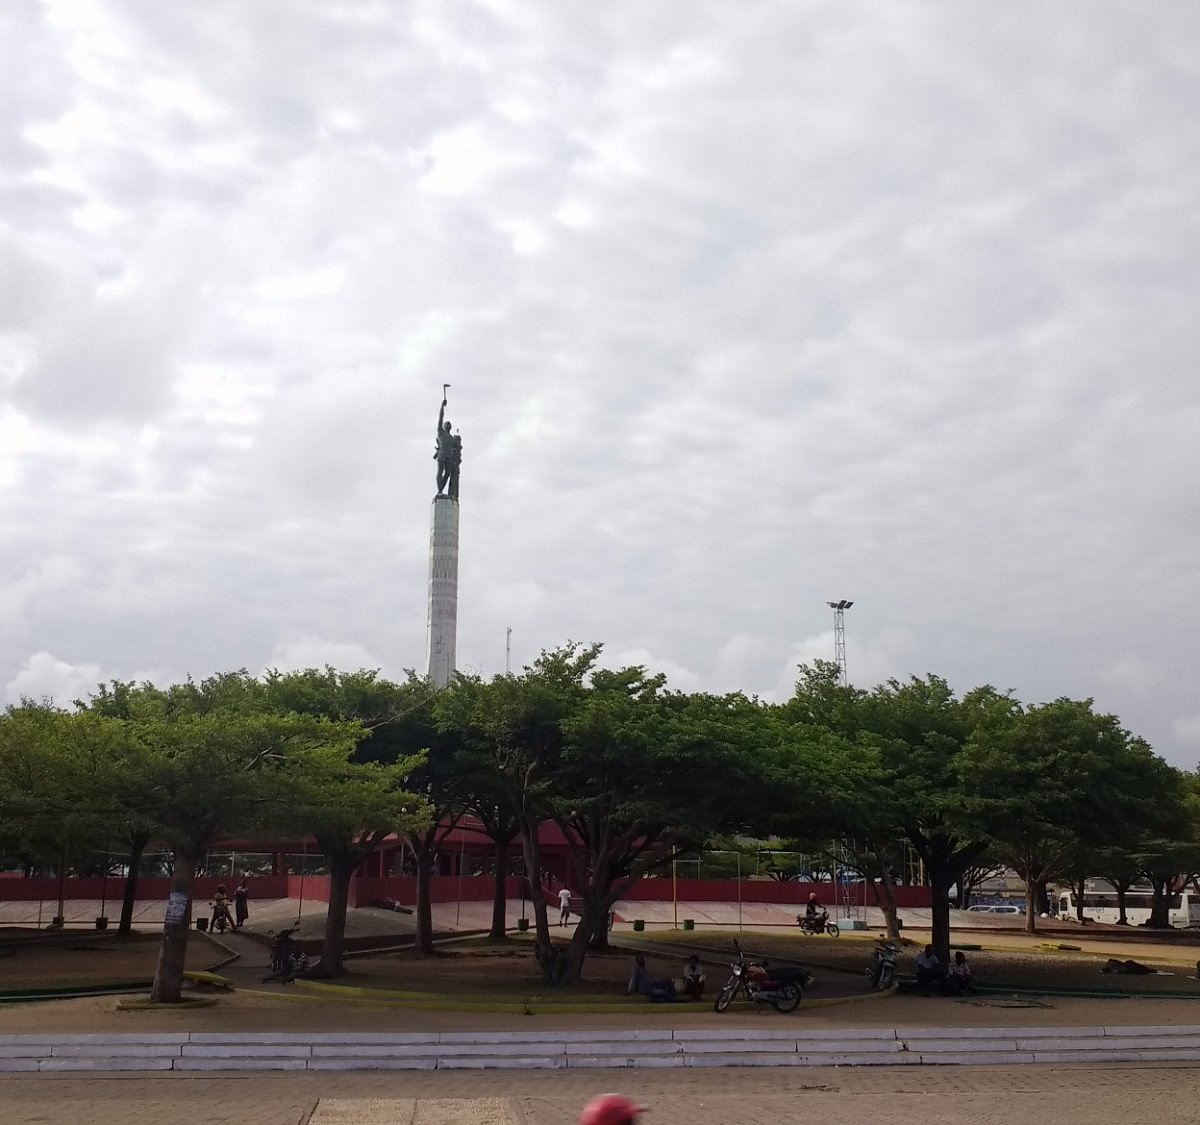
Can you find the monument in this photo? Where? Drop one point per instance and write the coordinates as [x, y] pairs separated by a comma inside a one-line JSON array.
[[442, 625]]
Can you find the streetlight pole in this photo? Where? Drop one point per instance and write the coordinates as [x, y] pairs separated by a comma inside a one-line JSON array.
[[839, 636]]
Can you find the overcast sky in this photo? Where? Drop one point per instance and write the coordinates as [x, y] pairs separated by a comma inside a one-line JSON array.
[[746, 307]]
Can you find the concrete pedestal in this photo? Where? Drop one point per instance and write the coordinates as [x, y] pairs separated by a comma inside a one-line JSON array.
[[442, 625]]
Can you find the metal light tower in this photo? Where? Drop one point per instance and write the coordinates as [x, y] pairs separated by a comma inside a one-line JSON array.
[[839, 636]]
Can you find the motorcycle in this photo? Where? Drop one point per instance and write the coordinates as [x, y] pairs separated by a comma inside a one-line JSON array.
[[817, 924], [881, 970], [221, 919], [757, 984], [288, 961]]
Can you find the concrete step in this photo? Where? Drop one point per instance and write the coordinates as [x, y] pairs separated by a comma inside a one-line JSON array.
[[505, 1050]]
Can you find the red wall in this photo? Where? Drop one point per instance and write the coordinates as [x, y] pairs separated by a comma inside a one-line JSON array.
[[444, 888], [149, 888], [765, 890]]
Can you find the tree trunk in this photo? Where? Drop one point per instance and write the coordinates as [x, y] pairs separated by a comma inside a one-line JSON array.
[[62, 885], [499, 930], [1031, 889], [884, 891], [595, 914], [342, 865], [1122, 920], [532, 851], [168, 975], [599, 940], [940, 880], [137, 848], [1077, 890], [1159, 903], [423, 942]]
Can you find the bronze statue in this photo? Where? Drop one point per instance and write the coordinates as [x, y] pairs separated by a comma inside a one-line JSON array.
[[448, 454]]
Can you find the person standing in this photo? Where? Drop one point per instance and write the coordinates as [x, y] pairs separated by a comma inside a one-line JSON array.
[[241, 893], [564, 906]]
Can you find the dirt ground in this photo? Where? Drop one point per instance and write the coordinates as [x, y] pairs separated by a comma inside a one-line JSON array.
[[36, 962], [473, 974]]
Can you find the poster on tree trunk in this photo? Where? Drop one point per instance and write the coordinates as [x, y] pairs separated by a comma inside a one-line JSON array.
[[177, 904]]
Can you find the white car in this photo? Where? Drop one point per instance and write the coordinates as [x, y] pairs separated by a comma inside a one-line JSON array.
[[994, 910]]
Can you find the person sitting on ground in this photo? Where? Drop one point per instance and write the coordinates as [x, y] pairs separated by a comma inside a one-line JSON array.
[[693, 978], [958, 976], [929, 969], [642, 984], [611, 1109]]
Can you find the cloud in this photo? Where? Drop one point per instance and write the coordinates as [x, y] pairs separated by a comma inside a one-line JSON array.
[[44, 676], [1187, 729], [740, 311], [678, 677], [296, 654]]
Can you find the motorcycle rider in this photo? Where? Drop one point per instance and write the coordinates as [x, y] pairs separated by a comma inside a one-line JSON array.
[[220, 907], [815, 915]]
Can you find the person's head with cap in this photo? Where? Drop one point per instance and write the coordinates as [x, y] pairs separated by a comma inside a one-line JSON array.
[[611, 1109], [812, 897]]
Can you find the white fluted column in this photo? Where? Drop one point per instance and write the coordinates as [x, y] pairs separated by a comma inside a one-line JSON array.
[[442, 626]]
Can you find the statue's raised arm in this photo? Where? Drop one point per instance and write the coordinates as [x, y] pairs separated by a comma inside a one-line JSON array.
[[448, 454]]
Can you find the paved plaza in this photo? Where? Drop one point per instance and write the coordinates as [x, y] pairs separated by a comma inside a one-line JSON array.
[[925, 1096]]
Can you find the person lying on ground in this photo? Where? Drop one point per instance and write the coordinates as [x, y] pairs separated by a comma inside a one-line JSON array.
[[642, 984]]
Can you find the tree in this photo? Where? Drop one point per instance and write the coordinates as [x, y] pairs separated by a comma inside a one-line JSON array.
[[511, 733], [212, 755], [1168, 855], [921, 729], [842, 789], [135, 827], [643, 775], [1040, 783], [65, 773], [349, 805]]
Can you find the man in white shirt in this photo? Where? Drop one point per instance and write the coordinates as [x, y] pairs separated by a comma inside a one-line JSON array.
[[564, 906], [929, 970]]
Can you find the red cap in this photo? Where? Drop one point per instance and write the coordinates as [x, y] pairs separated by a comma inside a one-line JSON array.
[[610, 1109]]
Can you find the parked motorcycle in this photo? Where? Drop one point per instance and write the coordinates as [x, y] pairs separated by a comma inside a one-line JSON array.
[[881, 970], [758, 984], [288, 961], [818, 924]]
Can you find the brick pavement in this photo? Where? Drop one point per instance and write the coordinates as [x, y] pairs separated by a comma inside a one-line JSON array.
[[929, 1096]]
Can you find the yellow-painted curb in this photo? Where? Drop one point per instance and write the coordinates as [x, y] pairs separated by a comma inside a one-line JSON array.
[[146, 1005]]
